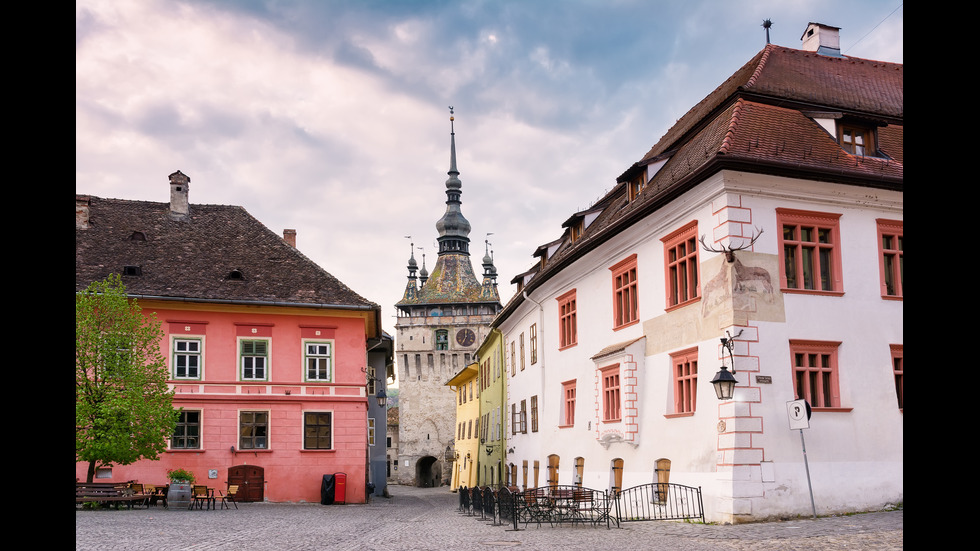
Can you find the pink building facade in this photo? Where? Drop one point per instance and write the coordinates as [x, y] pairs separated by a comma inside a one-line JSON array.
[[271, 389]]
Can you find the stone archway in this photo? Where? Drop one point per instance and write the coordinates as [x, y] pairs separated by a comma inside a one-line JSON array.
[[428, 472]]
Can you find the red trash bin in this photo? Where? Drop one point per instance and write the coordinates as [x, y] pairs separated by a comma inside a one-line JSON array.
[[340, 487]]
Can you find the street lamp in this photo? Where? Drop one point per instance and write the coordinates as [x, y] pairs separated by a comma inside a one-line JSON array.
[[724, 382], [381, 396]]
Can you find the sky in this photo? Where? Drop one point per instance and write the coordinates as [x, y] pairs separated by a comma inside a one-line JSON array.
[[331, 117]]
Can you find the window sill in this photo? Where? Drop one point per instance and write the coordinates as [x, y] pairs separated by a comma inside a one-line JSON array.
[[832, 410], [892, 297], [673, 307], [676, 415], [566, 347], [565, 426], [788, 291], [625, 325], [304, 450], [186, 450]]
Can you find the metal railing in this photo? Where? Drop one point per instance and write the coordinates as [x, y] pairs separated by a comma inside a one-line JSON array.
[[558, 505], [659, 501]]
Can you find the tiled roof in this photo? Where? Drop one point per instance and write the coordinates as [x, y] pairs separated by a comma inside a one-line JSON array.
[[757, 121], [192, 259], [452, 281]]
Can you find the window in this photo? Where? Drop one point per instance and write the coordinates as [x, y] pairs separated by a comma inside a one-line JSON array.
[[625, 309], [553, 470], [568, 403], [522, 419], [681, 265], [898, 366], [370, 431], [534, 343], [319, 361], [891, 258], [442, 339], [810, 250], [522, 351], [318, 431], [610, 393], [815, 372], [254, 359], [685, 366], [579, 471], [187, 358], [856, 140], [567, 323], [534, 413], [513, 419], [187, 434], [254, 430], [513, 359]]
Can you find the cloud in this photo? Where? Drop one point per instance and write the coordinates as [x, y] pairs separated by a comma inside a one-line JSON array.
[[331, 116]]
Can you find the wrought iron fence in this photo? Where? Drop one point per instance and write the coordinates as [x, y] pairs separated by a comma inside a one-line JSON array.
[[659, 501]]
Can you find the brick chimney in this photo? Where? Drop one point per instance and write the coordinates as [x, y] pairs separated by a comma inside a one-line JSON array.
[[823, 39], [179, 206], [290, 237], [82, 203]]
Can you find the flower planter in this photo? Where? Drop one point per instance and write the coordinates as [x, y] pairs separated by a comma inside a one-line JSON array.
[[179, 495]]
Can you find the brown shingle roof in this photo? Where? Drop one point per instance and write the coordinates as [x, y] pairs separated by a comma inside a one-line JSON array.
[[756, 121], [192, 259]]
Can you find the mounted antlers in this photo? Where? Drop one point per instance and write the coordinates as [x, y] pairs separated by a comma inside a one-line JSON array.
[[729, 251]]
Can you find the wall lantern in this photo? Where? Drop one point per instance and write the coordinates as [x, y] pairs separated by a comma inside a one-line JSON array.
[[381, 396], [450, 454], [724, 381]]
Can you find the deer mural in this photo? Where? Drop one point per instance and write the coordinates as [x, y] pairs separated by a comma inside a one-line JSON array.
[[743, 279]]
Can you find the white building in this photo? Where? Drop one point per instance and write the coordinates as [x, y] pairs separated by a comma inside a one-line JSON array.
[[794, 165]]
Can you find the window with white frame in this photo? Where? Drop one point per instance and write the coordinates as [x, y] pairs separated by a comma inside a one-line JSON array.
[[319, 361], [254, 356], [187, 358]]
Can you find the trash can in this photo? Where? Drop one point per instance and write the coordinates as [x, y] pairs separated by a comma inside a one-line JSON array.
[[340, 490], [327, 489]]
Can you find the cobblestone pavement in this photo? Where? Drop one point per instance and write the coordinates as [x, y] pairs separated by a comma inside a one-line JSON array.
[[416, 519]]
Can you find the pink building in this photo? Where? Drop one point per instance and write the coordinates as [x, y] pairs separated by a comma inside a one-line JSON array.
[[267, 351]]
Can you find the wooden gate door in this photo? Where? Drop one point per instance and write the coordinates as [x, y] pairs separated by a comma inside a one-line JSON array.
[[250, 480]]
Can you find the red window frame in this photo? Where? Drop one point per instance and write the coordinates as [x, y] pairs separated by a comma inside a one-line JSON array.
[[891, 260], [611, 405], [682, 283], [567, 320], [815, 373], [625, 299], [568, 403], [810, 252], [898, 366], [685, 373]]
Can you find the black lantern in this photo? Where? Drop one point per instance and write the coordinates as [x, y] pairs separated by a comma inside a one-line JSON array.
[[724, 381], [381, 396]]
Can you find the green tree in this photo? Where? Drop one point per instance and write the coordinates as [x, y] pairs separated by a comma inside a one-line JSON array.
[[123, 406]]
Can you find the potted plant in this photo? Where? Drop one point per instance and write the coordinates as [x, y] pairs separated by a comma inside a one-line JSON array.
[[179, 491]]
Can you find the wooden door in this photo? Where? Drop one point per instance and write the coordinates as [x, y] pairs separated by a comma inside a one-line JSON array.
[[250, 480]]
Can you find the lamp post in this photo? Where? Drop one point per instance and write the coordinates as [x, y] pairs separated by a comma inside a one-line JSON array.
[[724, 381]]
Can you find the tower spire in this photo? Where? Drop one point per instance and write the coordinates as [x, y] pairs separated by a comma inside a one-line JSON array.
[[453, 227]]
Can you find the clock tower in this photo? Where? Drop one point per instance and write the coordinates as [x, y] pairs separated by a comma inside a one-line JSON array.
[[443, 317]]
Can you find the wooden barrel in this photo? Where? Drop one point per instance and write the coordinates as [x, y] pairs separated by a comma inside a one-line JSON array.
[[179, 495]]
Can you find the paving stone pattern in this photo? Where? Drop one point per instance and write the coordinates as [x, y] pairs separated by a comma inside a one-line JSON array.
[[416, 519]]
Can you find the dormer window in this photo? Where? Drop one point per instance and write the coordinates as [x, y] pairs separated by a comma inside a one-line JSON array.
[[132, 271], [856, 139], [577, 229], [235, 275], [636, 185], [137, 236]]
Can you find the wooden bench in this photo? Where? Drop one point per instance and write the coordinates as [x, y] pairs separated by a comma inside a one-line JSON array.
[[108, 492]]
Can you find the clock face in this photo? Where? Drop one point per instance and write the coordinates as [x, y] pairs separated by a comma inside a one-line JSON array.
[[466, 337]]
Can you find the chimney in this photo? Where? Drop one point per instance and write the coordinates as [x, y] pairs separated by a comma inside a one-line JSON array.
[[82, 203], [179, 185], [290, 237], [823, 39]]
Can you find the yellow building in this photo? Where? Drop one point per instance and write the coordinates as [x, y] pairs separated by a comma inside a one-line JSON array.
[[467, 436]]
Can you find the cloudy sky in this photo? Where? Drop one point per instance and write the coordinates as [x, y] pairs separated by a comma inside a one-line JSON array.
[[331, 117]]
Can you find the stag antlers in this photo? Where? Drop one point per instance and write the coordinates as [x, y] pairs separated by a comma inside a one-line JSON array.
[[729, 251]]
